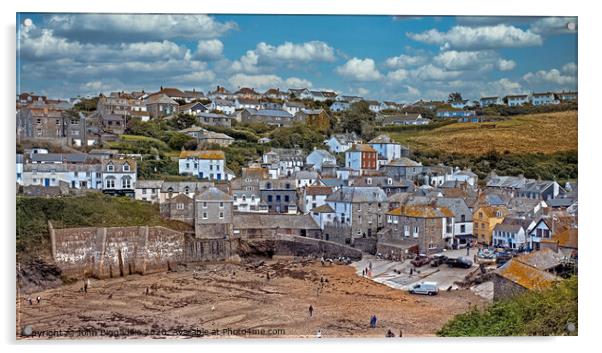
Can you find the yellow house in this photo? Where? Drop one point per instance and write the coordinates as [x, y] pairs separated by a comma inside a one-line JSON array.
[[484, 220]]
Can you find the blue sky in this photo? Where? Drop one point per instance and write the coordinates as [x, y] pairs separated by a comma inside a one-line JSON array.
[[379, 57]]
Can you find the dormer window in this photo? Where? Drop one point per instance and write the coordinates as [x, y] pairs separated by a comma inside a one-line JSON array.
[[110, 168], [126, 167], [369, 181]]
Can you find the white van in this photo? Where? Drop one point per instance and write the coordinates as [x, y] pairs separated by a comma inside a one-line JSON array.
[[428, 288]]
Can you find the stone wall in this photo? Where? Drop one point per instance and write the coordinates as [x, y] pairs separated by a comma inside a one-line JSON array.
[[367, 245], [504, 288], [292, 245], [120, 251]]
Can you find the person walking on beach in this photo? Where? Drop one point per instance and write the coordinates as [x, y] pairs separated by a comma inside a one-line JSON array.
[[311, 311]]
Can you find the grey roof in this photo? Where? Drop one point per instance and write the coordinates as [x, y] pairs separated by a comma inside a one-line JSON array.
[[149, 184], [59, 168], [213, 115], [561, 202], [404, 162], [507, 227], [213, 194], [59, 157], [358, 194], [543, 259], [305, 174], [270, 112], [273, 221], [323, 154], [346, 138], [334, 182], [537, 186], [457, 206], [506, 182], [179, 186]]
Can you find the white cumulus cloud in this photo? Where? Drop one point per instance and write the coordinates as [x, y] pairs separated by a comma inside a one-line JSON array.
[[359, 70], [484, 37]]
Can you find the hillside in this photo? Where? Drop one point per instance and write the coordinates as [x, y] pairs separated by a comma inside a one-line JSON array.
[[547, 313], [84, 211], [536, 133]]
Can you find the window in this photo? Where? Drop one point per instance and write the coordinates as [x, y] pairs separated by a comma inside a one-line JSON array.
[[286, 198], [110, 183], [204, 204], [221, 215], [126, 182], [204, 215], [462, 228], [180, 206], [416, 230], [480, 215], [143, 191], [221, 204], [406, 231], [269, 198], [126, 167], [110, 168], [463, 218]]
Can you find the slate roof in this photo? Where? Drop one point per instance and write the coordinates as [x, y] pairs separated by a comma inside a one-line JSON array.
[[270, 112], [213, 194], [566, 239], [544, 259], [160, 98], [404, 162], [506, 182], [358, 194], [334, 182], [305, 174], [180, 186], [149, 184], [272, 221], [60, 157], [457, 206]]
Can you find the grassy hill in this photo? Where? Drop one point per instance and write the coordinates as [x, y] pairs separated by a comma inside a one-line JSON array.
[[536, 133], [544, 313]]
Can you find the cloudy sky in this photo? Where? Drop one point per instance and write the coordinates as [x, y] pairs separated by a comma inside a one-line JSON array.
[[381, 57]]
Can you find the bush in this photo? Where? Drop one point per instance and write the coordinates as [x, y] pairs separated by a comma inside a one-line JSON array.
[[534, 313]]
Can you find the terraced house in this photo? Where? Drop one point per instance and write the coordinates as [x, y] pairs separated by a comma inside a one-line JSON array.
[[119, 176]]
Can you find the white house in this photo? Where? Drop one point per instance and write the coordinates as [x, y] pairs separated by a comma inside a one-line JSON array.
[[386, 147], [547, 98], [75, 176], [208, 164], [247, 201], [314, 196], [293, 107], [119, 176], [305, 178], [319, 157], [517, 100], [225, 106], [243, 103], [148, 190], [339, 143], [340, 106], [510, 234]]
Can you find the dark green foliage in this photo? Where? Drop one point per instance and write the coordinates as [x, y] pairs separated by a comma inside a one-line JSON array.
[[86, 105], [238, 133], [358, 116], [151, 168], [454, 97], [535, 313], [560, 166], [182, 121], [297, 136]]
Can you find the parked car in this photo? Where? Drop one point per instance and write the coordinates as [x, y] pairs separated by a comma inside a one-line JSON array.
[[420, 260], [428, 288], [438, 260], [461, 262]]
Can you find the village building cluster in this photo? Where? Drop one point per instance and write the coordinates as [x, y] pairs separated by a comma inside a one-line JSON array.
[[378, 199]]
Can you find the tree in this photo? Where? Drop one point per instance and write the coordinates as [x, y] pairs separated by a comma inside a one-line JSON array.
[[359, 114], [183, 121], [455, 97]]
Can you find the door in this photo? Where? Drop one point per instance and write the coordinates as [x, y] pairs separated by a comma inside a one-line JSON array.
[[46, 182]]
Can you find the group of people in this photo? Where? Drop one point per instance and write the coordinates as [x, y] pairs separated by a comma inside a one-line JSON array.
[[30, 300], [368, 270]]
